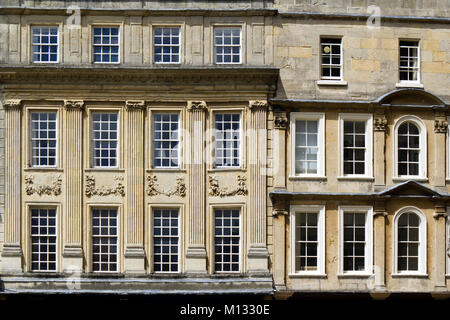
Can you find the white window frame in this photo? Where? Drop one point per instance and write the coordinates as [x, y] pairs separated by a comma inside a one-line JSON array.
[[422, 263], [39, 111], [423, 148], [368, 252], [91, 208], [179, 227], [241, 236], [320, 210], [92, 142], [241, 46], [410, 83], [153, 149], [331, 79], [118, 43], [320, 117], [154, 45], [368, 162], [44, 207], [57, 44], [241, 140]]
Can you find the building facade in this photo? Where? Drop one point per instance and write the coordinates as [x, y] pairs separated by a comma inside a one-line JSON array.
[[264, 147]]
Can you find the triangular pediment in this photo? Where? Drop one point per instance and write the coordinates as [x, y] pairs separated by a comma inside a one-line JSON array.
[[410, 97], [410, 187]]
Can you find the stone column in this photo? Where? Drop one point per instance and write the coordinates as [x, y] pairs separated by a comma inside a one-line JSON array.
[[12, 247], [279, 149], [134, 160], [196, 258], [379, 128], [440, 253], [73, 163], [379, 248], [280, 210], [257, 208], [440, 130]]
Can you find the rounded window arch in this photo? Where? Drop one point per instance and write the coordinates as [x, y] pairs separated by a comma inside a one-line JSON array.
[[410, 243], [410, 148]]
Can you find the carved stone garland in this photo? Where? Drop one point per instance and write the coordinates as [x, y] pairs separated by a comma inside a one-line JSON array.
[[152, 187], [92, 190], [52, 189], [216, 191]]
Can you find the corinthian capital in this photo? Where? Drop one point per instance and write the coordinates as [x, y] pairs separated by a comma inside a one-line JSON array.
[[12, 104], [197, 105], [73, 104], [131, 105], [258, 104]]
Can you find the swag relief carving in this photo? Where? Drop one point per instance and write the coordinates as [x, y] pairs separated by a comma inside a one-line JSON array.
[[216, 191], [48, 189], [153, 188], [92, 190]]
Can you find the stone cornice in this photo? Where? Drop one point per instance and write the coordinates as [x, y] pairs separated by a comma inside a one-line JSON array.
[[89, 76]]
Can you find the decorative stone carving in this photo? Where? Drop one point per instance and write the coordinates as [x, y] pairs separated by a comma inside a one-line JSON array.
[[280, 120], [12, 104], [440, 125], [74, 104], [152, 187], [134, 105], [258, 104], [197, 105], [92, 190], [380, 123], [49, 189], [216, 191]]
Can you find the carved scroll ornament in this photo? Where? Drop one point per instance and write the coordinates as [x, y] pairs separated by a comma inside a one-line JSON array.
[[48, 189], [92, 190], [216, 191], [153, 188]]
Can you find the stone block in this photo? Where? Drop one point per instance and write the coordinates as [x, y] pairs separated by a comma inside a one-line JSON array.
[[435, 67], [440, 56], [300, 52], [365, 65], [389, 44], [283, 52], [431, 45], [369, 43]]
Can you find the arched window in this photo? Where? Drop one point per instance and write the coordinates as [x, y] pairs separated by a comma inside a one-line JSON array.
[[410, 241], [410, 148]]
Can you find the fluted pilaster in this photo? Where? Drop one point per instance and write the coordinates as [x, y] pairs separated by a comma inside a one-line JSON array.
[[134, 251], [73, 123], [257, 254], [196, 249], [12, 250]]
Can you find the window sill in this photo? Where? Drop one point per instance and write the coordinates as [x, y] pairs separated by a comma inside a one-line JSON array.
[[418, 179], [409, 275], [356, 178], [308, 275], [165, 170], [46, 169], [104, 170], [308, 178], [409, 85], [331, 82], [354, 275], [226, 169]]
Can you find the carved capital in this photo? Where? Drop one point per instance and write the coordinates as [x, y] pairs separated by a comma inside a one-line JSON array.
[[74, 104], [280, 120], [12, 104], [279, 212], [258, 104], [380, 123], [379, 213], [197, 106], [440, 125], [134, 105], [440, 211]]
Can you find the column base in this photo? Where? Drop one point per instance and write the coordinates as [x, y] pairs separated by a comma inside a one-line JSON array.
[[258, 260], [134, 260], [11, 258], [196, 260], [72, 259]]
